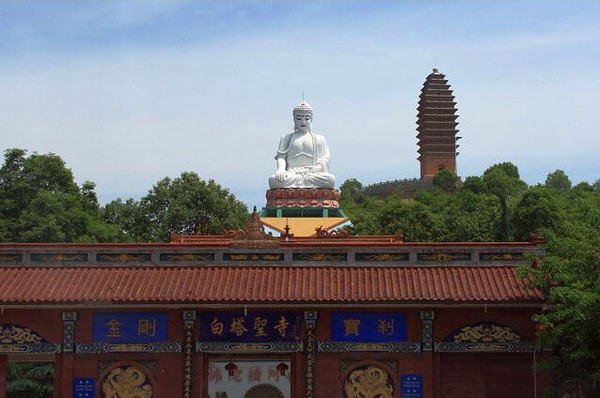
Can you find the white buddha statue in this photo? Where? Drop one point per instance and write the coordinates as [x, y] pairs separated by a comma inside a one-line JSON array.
[[303, 156]]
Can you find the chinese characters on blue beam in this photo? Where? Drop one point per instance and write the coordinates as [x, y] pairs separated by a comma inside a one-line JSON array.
[[368, 327], [130, 327], [235, 326]]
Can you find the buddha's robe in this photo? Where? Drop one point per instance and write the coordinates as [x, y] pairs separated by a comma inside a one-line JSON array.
[[301, 151]]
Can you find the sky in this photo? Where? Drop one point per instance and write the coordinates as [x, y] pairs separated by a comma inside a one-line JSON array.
[[128, 93]]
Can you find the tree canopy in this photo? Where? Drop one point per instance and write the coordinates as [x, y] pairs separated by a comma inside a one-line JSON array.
[[445, 180], [185, 205], [40, 202], [570, 273], [30, 379], [558, 180]]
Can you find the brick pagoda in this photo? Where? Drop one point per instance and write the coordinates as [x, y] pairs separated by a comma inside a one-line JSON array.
[[437, 126]]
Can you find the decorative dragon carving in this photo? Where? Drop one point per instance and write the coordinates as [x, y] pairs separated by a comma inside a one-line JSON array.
[[323, 233], [369, 382], [16, 334], [486, 332], [126, 382]]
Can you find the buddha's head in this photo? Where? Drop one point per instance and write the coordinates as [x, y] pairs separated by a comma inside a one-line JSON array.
[[303, 114]]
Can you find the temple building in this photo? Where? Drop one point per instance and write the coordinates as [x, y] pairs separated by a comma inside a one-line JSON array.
[[437, 139], [247, 315], [312, 313]]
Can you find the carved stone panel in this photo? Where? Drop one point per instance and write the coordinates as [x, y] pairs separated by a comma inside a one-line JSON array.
[[368, 382]]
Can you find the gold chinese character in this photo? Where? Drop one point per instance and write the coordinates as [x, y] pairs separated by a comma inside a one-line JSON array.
[[216, 327], [282, 326], [237, 326], [351, 326], [147, 327], [385, 327], [114, 328], [259, 326]]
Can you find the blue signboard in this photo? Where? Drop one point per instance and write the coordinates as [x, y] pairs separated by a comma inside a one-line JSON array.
[[249, 327], [130, 327], [412, 386], [83, 387], [367, 327]]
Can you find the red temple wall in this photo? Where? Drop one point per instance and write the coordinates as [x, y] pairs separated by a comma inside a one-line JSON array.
[[445, 375], [46, 322]]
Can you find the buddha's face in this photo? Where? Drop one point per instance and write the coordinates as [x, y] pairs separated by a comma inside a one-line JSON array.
[[302, 122]]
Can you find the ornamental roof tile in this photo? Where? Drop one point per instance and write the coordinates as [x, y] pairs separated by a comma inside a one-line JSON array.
[[264, 284]]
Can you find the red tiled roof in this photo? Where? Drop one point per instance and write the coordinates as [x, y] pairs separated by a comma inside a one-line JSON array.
[[267, 284]]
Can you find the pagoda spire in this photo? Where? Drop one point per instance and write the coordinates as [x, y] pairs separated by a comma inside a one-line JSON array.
[[436, 126]]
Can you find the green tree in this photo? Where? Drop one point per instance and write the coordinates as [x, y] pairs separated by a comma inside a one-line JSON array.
[[596, 186], [465, 216], [503, 181], [414, 219], [584, 186], [571, 274], [128, 217], [30, 379], [430, 216], [186, 205], [558, 180], [445, 180], [351, 190], [538, 209], [363, 215], [40, 202], [475, 184]]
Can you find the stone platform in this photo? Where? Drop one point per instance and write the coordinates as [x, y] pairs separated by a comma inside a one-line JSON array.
[[303, 197]]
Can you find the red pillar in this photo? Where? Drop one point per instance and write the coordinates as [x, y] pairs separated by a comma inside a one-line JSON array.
[[3, 369], [428, 375], [63, 376]]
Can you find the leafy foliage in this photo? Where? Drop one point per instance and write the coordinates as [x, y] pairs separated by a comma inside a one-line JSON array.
[[558, 180], [539, 208], [445, 180], [40, 202], [351, 190], [30, 379], [185, 204], [570, 273], [431, 216], [502, 180]]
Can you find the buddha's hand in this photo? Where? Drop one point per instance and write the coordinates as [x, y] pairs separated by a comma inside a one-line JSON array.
[[281, 175], [313, 169]]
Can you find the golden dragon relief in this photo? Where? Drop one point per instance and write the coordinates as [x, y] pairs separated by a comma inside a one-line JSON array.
[[370, 382], [486, 333], [14, 334], [126, 383]]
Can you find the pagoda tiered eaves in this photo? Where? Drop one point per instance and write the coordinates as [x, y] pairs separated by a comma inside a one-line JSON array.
[[437, 126]]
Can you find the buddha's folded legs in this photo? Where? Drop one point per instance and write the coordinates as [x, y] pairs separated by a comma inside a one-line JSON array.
[[308, 180]]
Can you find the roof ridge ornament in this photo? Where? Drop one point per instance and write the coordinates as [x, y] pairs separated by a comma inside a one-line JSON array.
[[336, 233], [253, 235]]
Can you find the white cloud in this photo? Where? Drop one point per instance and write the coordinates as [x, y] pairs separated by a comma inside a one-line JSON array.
[[125, 118]]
